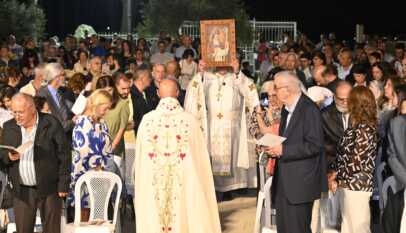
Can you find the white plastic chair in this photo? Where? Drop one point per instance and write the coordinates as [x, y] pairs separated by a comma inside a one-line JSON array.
[[128, 168], [403, 222], [100, 185], [264, 196]]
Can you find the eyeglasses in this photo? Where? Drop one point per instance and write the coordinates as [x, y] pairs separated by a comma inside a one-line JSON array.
[[60, 75], [278, 88], [341, 99], [18, 113]]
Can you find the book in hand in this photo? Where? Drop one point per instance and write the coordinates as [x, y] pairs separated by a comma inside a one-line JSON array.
[[19, 150], [270, 140]]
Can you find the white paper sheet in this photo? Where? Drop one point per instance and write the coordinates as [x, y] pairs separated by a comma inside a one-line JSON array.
[[270, 140], [80, 105], [21, 149]]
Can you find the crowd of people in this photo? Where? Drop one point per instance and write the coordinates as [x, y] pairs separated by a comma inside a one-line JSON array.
[[341, 109]]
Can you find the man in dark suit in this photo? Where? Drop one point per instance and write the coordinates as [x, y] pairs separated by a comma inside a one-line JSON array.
[[300, 175], [158, 74], [141, 103], [59, 106], [40, 175], [335, 120]]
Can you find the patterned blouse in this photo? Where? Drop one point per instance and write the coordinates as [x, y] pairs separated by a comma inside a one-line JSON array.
[[91, 148], [271, 118], [356, 153]]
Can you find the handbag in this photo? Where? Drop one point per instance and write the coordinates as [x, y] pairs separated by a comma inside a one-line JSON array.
[[270, 168], [333, 218], [272, 161]]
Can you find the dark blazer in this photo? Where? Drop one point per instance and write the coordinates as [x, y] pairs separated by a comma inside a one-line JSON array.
[[62, 113], [140, 106], [333, 129], [301, 170], [52, 157], [152, 95], [302, 77], [397, 148]]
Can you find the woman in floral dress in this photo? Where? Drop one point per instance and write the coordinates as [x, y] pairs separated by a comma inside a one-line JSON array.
[[91, 144]]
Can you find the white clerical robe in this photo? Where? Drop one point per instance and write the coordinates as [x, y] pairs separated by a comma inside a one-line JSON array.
[[174, 188], [223, 104]]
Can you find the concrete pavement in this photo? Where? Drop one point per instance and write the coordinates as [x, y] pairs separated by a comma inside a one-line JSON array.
[[238, 215]]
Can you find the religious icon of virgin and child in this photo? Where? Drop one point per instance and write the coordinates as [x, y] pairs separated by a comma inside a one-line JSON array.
[[218, 46]]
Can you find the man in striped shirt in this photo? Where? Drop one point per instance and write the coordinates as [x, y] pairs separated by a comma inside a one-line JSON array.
[[39, 172]]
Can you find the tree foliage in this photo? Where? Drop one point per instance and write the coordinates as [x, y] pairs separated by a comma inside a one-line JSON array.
[[21, 19], [168, 15]]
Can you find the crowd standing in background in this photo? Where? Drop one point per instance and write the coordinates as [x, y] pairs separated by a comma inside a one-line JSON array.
[[342, 108]]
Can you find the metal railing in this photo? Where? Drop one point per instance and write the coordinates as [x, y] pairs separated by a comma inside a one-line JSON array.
[[270, 31], [190, 28], [273, 32]]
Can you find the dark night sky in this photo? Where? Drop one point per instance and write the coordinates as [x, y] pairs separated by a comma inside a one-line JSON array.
[[313, 17]]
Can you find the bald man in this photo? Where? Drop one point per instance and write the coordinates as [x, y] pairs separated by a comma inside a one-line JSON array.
[[168, 88], [300, 176], [40, 174], [158, 74], [173, 174]]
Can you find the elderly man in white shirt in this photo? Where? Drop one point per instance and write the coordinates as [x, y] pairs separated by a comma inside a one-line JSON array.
[[34, 85]]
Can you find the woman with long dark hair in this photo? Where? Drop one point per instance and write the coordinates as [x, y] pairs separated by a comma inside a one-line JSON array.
[[380, 72], [126, 53], [29, 61], [81, 66]]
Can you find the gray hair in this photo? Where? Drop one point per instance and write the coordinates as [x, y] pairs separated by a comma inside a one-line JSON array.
[[292, 81], [156, 66], [140, 73], [52, 70], [25, 97]]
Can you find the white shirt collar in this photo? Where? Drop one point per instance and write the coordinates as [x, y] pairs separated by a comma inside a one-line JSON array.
[[292, 108]]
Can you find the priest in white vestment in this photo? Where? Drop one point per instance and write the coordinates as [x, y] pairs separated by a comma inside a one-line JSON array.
[[174, 188], [223, 101]]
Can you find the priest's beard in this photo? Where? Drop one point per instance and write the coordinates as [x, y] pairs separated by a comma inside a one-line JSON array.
[[342, 109]]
